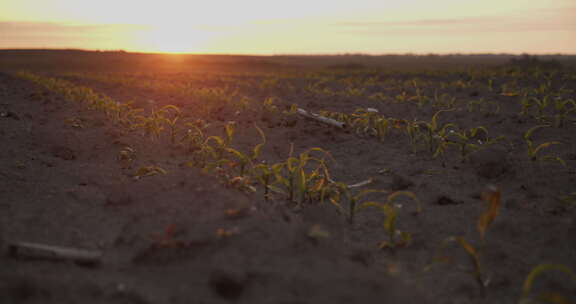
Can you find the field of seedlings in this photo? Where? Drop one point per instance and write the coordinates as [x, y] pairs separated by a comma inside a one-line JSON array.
[[342, 183]]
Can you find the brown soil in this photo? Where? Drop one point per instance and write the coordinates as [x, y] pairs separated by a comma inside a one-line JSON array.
[[63, 184]]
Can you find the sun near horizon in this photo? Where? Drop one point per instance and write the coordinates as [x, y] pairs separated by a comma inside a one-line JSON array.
[[298, 27]]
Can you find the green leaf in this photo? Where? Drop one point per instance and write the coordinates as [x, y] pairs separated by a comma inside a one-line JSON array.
[[241, 156], [229, 129], [544, 146], [276, 189], [536, 271], [492, 197], [528, 134], [393, 196], [256, 151], [390, 220], [369, 204]]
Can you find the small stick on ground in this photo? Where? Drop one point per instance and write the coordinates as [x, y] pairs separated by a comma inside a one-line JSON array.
[[322, 119], [42, 251]]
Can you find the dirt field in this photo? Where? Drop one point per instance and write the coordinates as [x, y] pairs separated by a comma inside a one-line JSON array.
[[166, 223]]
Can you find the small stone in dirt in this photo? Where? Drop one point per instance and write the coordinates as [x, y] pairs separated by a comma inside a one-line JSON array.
[[290, 122], [227, 286], [362, 257], [444, 200], [236, 213], [10, 115], [127, 296], [118, 198], [17, 289], [400, 183], [490, 163], [63, 153]]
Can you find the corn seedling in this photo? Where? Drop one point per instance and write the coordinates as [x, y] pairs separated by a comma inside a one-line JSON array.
[[151, 125], [548, 297], [472, 140], [414, 133], [491, 85], [563, 109], [298, 181], [369, 122], [403, 97], [381, 97], [509, 90], [126, 156], [193, 138], [265, 174], [474, 256], [533, 150], [223, 233], [477, 271], [220, 144], [443, 101], [74, 123], [269, 107], [242, 183], [568, 199], [245, 161], [421, 100], [353, 200], [436, 132], [170, 121], [433, 134], [492, 197], [396, 237], [148, 171], [487, 107], [541, 105], [128, 117]]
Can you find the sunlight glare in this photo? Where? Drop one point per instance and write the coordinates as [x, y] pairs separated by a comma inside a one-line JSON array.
[[174, 39]]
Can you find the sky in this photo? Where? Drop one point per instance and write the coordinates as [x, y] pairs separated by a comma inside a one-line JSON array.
[[271, 27]]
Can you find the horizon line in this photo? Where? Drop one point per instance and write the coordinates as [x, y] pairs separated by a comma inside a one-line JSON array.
[[351, 53]]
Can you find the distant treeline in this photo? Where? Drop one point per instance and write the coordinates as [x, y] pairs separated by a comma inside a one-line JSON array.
[[81, 60]]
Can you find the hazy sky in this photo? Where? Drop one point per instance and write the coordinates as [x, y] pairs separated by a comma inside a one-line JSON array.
[[296, 26]]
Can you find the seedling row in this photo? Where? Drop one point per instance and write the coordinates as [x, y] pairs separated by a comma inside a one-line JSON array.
[[416, 112]]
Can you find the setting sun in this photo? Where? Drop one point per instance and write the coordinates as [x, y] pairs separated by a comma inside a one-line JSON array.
[[173, 39]]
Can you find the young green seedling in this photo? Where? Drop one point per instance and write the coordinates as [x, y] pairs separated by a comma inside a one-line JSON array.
[[541, 105], [526, 104], [472, 140], [148, 171], [414, 133], [549, 297], [296, 178], [194, 137], [264, 173], [353, 200], [170, 121], [246, 161], [127, 156], [396, 237], [563, 109], [152, 124], [493, 198], [533, 150], [431, 133]]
